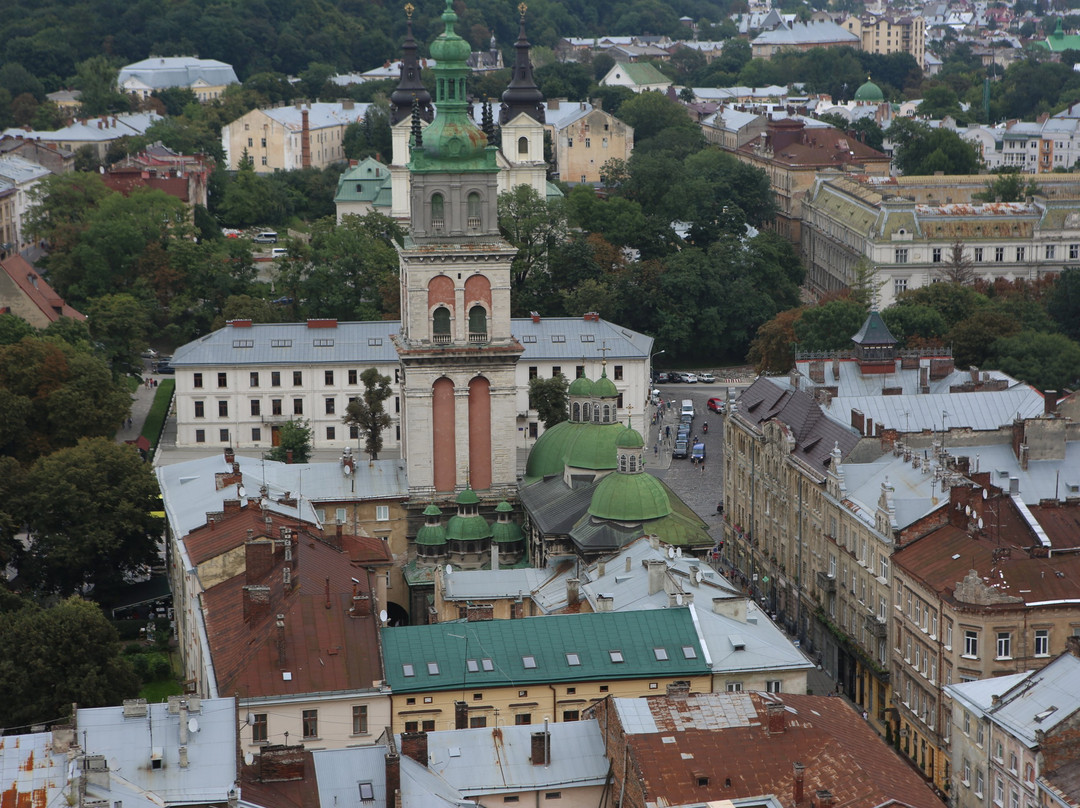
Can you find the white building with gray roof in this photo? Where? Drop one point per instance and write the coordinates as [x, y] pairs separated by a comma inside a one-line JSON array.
[[236, 386], [207, 78]]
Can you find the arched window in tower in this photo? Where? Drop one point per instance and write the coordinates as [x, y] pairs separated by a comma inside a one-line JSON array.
[[440, 326], [596, 413], [622, 462], [577, 412], [472, 207], [478, 324], [437, 220], [633, 463], [607, 414], [523, 145]]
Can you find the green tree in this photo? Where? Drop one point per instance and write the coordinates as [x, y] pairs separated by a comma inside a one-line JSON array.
[[1045, 361], [120, 324], [250, 200], [1008, 186], [865, 284], [548, 398], [366, 412], [651, 114], [940, 100], [953, 301], [534, 226], [13, 328], [370, 137], [88, 509], [918, 149], [772, 350], [96, 80], [1063, 302], [12, 484], [830, 326], [915, 325], [295, 444], [973, 339], [68, 653], [958, 268], [60, 206]]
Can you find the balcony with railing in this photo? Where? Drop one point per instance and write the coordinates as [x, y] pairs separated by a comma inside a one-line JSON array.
[[442, 339], [826, 583], [478, 337]]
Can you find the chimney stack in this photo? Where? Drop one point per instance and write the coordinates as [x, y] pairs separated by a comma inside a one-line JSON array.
[[415, 745], [393, 770], [657, 569], [305, 141], [823, 798], [776, 718], [797, 789], [678, 691], [280, 640], [461, 715], [541, 748], [1050, 402], [572, 591], [229, 456]]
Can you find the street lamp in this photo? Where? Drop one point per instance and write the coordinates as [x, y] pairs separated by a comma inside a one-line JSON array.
[[650, 363]]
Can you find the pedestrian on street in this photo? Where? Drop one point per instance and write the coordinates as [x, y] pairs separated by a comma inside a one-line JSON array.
[[656, 449], [703, 465], [667, 431]]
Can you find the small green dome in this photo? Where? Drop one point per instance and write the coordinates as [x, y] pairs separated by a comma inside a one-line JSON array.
[[605, 387], [467, 497], [505, 532], [869, 92], [432, 510], [430, 535], [630, 439], [594, 447], [449, 46], [630, 498], [467, 528], [580, 387]]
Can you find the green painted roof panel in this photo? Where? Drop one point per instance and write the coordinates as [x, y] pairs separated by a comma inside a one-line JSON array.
[[548, 640]]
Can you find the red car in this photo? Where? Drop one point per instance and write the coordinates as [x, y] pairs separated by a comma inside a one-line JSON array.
[[716, 404]]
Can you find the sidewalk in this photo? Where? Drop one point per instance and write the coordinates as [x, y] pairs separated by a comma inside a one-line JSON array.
[[654, 438], [142, 399]]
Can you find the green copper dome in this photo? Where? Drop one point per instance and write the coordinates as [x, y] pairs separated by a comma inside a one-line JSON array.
[[546, 456], [605, 387], [869, 92], [467, 497], [504, 507], [580, 386], [630, 498], [594, 447], [467, 528], [432, 533], [504, 532], [630, 439], [432, 510], [449, 46]]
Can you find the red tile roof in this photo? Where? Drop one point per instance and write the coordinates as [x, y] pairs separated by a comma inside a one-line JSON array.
[[1004, 553], [23, 274], [325, 647], [840, 753]]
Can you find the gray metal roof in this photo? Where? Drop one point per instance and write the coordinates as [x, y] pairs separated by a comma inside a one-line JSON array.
[[497, 760], [709, 711], [320, 114], [802, 33], [1042, 479], [19, 170], [913, 488], [368, 343], [339, 773], [189, 490], [161, 72], [553, 507], [128, 743], [914, 412], [484, 584], [852, 381]]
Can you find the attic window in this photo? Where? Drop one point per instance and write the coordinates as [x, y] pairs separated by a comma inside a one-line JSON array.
[[374, 342], [1040, 717], [616, 656], [529, 662], [322, 343], [573, 659], [408, 670], [472, 665], [281, 343], [487, 664], [661, 654], [243, 343], [433, 668], [702, 780], [588, 338], [367, 791], [558, 338], [529, 338], [689, 652]]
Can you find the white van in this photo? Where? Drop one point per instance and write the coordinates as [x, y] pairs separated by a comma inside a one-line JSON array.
[[266, 237], [687, 408]]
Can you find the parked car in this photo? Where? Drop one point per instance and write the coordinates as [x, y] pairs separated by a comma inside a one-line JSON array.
[[279, 252], [716, 404], [706, 378], [697, 454], [266, 237], [683, 433], [164, 365], [686, 418], [690, 378], [681, 449], [660, 377]]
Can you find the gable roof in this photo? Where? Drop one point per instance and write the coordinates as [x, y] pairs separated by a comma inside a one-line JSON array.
[[161, 72], [806, 33], [641, 74], [547, 640], [36, 290]]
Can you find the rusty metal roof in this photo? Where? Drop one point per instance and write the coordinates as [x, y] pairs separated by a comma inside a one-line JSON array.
[[31, 776]]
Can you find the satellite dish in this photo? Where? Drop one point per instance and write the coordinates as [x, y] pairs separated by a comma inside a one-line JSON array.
[[382, 616], [678, 552], [346, 469], [678, 599], [240, 492], [697, 575], [967, 510], [449, 569], [980, 523], [670, 552], [984, 493], [193, 724], [251, 719], [248, 758]]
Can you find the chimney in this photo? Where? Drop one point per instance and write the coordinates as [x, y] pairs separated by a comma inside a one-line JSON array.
[[823, 798], [817, 371], [182, 714], [494, 556], [258, 559], [836, 368], [288, 456], [535, 316], [280, 640], [1014, 486], [415, 745], [229, 456], [858, 421], [479, 612], [393, 770], [776, 719], [256, 602], [572, 590], [797, 788], [628, 563], [794, 378], [183, 756], [657, 569], [601, 568], [305, 140], [924, 383], [678, 691], [1050, 402], [541, 748], [1072, 645], [603, 603], [461, 715]]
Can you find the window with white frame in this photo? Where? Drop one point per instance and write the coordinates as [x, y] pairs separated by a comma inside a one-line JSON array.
[[979, 782], [901, 256], [1004, 645], [382, 513], [883, 566], [971, 644], [899, 285], [967, 773], [1042, 642]]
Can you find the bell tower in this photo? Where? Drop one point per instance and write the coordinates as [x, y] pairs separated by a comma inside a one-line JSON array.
[[457, 354]]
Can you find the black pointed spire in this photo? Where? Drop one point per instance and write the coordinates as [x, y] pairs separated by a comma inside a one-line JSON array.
[[488, 122], [410, 88], [522, 94], [416, 131]]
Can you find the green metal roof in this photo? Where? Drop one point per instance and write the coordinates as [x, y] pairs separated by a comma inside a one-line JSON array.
[[467, 497], [506, 532], [431, 535], [468, 528], [1059, 40], [546, 455], [363, 182], [580, 386], [874, 332], [869, 92], [605, 387], [630, 498], [548, 641], [642, 73], [629, 439]]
